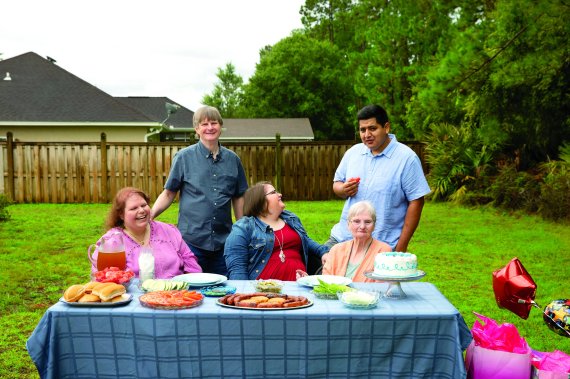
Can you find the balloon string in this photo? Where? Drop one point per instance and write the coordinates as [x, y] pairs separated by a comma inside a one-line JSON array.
[[550, 317]]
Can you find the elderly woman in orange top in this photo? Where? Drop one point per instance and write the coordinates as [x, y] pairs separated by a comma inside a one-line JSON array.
[[354, 257]]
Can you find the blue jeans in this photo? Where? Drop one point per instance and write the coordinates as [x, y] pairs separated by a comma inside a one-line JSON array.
[[210, 261]]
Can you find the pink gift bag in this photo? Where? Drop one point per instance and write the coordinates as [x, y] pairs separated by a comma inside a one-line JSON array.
[[497, 352], [483, 363], [551, 365]]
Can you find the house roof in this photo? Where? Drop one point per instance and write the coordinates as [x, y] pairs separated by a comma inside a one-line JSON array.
[[41, 91], [290, 129], [155, 108]]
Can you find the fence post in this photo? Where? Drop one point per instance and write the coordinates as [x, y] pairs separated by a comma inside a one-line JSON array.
[[10, 186], [278, 163], [104, 191]]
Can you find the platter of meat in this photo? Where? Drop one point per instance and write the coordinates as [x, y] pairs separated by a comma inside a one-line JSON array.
[[264, 301], [170, 300]]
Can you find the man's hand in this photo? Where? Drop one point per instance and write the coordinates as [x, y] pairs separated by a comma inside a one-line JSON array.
[[351, 186], [346, 189]]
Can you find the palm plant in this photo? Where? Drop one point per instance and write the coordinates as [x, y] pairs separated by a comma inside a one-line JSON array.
[[458, 158]]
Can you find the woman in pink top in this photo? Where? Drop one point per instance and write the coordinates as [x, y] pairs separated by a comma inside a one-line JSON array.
[[354, 257], [130, 215]]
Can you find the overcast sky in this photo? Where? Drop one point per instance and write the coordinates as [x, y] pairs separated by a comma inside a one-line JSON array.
[[169, 48]]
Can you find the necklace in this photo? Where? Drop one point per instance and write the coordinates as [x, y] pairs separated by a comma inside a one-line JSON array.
[[365, 251], [139, 241], [281, 253]]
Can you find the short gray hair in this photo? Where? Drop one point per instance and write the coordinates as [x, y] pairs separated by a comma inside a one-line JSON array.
[[362, 206], [207, 112]]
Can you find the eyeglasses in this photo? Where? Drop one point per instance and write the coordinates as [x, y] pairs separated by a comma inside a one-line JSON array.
[[360, 222], [271, 192]]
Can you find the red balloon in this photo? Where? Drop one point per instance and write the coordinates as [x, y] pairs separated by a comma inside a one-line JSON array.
[[514, 288]]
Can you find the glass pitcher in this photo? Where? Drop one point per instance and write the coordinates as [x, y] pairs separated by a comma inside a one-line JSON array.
[[110, 253]]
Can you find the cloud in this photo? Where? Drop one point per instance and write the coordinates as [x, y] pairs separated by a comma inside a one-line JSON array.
[[170, 48]]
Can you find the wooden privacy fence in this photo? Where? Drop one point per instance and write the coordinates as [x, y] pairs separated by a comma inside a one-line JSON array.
[[35, 172]]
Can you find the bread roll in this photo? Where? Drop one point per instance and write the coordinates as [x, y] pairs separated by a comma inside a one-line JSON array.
[[89, 286], [110, 291], [74, 293], [116, 298], [89, 298], [99, 286]]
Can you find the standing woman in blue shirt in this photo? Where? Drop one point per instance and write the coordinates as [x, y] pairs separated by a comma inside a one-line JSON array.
[[211, 180], [269, 242]]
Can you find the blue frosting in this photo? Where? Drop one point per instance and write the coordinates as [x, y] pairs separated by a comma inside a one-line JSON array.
[[398, 267]]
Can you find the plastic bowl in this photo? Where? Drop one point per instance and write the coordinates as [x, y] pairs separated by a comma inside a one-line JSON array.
[[359, 299], [268, 285]]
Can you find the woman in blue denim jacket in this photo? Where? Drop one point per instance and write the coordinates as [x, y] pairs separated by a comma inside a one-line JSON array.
[[268, 242]]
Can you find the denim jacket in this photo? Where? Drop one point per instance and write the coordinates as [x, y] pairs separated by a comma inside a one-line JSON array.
[[251, 241]]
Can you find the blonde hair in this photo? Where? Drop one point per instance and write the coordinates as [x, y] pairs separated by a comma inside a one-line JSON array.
[[362, 206]]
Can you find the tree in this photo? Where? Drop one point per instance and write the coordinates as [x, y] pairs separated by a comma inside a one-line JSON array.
[[330, 20], [508, 74], [303, 77], [397, 42], [227, 95]]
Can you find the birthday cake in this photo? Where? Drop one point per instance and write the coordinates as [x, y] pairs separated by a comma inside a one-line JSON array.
[[395, 264]]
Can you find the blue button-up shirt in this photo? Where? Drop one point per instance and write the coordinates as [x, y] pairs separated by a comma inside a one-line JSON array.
[[389, 180], [206, 187]]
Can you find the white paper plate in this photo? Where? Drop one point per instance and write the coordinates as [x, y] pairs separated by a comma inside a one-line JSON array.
[[199, 279], [313, 280]]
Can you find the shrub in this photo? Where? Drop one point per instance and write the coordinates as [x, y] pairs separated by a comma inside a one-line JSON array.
[[459, 160], [4, 203], [555, 191], [512, 190]]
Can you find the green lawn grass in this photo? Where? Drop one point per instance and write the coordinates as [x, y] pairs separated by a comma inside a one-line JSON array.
[[43, 249]]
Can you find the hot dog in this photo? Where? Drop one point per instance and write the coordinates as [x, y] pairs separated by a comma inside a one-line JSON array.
[[292, 304], [247, 304], [223, 299], [269, 305]]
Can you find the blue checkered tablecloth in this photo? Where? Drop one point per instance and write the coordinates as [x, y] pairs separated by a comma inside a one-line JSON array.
[[422, 336]]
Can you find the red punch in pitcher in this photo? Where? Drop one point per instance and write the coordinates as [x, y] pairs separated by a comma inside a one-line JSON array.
[[109, 253]]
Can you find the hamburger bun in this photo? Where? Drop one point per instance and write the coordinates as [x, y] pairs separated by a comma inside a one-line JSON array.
[[89, 298], [116, 298], [74, 293], [89, 286], [109, 291], [99, 285]]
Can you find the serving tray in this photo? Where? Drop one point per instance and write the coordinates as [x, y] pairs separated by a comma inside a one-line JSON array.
[[310, 303], [125, 299]]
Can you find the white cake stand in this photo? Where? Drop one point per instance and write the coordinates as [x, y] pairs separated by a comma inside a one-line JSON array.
[[395, 290]]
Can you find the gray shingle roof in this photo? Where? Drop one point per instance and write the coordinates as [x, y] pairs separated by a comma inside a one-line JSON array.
[[41, 91], [154, 108], [298, 129], [44, 92]]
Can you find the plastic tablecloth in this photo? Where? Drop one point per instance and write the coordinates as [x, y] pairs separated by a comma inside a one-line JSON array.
[[421, 336]]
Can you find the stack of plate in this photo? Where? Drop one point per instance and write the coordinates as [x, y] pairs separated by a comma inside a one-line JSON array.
[[200, 279]]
